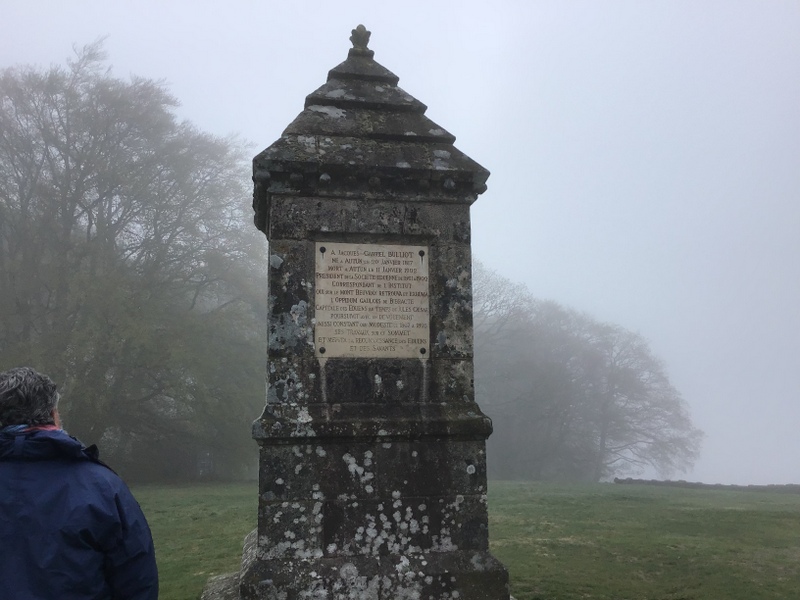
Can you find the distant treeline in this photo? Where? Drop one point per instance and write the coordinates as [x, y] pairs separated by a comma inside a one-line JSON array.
[[129, 270], [571, 398], [788, 488]]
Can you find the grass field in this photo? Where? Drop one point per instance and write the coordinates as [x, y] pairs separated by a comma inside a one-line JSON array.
[[559, 542]]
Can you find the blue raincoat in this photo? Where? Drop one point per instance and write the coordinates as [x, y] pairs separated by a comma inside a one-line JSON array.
[[69, 527]]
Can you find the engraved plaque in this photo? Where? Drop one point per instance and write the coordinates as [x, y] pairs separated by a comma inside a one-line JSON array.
[[371, 301]]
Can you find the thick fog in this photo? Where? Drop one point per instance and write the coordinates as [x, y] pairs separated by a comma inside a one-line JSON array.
[[645, 158]]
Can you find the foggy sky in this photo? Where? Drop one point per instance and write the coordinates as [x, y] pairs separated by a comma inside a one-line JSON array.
[[645, 157]]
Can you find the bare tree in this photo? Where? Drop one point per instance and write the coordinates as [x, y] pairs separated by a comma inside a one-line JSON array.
[[127, 263], [571, 398], [641, 419]]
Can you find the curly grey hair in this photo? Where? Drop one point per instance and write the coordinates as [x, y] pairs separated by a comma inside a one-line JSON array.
[[26, 398]]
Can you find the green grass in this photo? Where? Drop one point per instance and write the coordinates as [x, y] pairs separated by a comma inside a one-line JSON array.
[[559, 542], [620, 542], [198, 532]]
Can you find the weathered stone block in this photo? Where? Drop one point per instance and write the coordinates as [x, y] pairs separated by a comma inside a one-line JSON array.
[[375, 381]]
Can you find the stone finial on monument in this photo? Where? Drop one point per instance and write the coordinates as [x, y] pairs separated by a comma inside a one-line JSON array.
[[372, 448]]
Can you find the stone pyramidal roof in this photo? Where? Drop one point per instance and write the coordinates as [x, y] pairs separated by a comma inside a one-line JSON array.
[[360, 135]]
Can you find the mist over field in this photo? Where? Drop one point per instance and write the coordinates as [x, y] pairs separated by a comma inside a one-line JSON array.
[[645, 160]]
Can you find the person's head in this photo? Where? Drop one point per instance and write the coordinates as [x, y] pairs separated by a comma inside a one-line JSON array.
[[27, 398]]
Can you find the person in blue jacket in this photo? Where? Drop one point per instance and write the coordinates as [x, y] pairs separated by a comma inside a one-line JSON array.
[[69, 527]]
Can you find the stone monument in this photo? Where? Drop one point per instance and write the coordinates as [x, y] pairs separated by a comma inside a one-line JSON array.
[[372, 480]]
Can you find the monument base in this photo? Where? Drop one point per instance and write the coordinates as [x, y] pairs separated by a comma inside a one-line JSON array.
[[465, 575], [222, 587]]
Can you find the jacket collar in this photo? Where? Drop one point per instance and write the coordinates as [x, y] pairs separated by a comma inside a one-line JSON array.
[[40, 443]]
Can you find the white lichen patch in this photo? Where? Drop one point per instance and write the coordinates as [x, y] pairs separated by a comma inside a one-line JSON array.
[[402, 565], [309, 141], [303, 425], [340, 93], [352, 465], [328, 111], [360, 470], [275, 261], [298, 313]]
